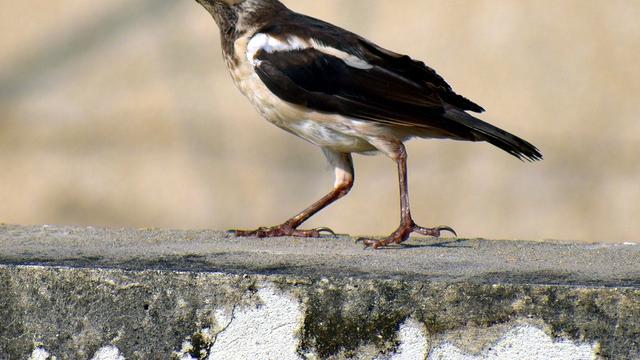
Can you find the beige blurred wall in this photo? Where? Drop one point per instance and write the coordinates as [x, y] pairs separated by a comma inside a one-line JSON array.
[[121, 113]]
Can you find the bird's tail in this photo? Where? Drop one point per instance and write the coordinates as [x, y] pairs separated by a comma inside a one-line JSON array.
[[483, 131]]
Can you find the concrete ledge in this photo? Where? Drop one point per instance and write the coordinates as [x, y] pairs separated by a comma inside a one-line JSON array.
[[85, 293]]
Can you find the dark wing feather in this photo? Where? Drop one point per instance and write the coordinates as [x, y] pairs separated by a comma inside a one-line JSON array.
[[326, 83], [417, 71], [401, 65], [396, 90]]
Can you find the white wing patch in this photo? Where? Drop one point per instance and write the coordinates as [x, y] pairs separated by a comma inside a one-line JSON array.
[[270, 44], [349, 59]]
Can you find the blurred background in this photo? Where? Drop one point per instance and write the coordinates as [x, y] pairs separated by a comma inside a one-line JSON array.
[[122, 114]]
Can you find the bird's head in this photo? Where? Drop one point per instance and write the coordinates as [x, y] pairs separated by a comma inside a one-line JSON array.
[[237, 15]]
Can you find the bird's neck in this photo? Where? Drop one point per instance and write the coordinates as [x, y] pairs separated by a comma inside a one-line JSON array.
[[248, 16]]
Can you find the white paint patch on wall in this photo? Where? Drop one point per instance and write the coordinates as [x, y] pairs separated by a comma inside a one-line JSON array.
[[108, 353], [265, 332], [413, 342], [39, 354], [521, 343]]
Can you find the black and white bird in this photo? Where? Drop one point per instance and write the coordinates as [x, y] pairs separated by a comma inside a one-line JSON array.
[[345, 94]]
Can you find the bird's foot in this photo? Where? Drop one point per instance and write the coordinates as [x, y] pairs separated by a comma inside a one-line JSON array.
[[282, 230], [402, 234]]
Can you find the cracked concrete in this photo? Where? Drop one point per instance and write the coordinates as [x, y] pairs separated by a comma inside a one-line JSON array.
[[74, 293]]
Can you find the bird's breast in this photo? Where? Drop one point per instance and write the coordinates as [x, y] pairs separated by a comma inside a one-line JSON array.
[[320, 129], [248, 82]]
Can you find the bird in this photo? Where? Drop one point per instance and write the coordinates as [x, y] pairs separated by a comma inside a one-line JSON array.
[[345, 94]]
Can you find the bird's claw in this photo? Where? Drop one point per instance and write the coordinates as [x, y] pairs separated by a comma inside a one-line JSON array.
[[449, 229], [281, 231], [435, 232], [402, 234], [326, 230], [369, 243]]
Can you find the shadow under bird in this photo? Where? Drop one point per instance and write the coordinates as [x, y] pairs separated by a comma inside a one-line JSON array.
[[345, 94]]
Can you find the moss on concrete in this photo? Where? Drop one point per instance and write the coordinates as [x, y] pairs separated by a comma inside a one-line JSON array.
[[75, 312], [149, 314], [343, 315]]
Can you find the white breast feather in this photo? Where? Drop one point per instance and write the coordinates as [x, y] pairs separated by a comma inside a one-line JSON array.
[[327, 130]]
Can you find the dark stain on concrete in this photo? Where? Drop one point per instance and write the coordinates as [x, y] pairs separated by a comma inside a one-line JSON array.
[[342, 315]]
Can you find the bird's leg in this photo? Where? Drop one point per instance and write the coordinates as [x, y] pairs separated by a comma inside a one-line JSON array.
[[407, 225], [344, 174]]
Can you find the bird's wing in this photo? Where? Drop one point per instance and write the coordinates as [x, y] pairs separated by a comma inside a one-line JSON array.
[[332, 37], [417, 71], [311, 63], [309, 73]]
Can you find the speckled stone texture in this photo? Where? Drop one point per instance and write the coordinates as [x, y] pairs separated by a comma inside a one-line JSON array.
[[85, 293]]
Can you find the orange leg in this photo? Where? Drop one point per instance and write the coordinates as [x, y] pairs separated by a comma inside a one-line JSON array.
[[343, 166], [407, 225]]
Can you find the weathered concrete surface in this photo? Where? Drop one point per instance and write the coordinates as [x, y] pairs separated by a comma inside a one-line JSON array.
[[477, 261], [77, 293]]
